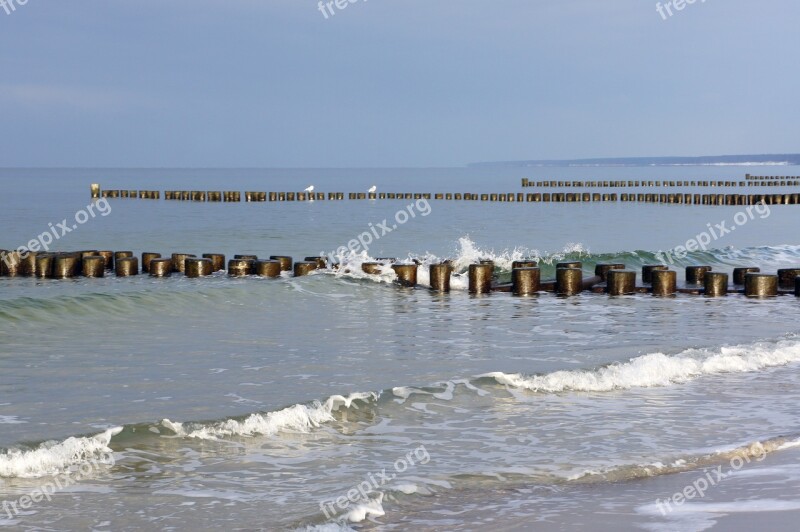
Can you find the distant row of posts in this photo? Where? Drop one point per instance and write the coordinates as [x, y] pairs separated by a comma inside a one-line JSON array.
[[783, 182], [511, 197]]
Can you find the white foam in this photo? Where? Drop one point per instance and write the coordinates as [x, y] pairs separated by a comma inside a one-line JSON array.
[[658, 369], [51, 458], [470, 253], [404, 392], [298, 418], [327, 527], [406, 488], [350, 267], [467, 252], [447, 394], [776, 256], [359, 512], [790, 445]]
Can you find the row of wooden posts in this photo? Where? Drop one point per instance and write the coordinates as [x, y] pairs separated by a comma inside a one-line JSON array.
[[649, 184], [610, 278], [769, 177], [511, 197], [256, 196]]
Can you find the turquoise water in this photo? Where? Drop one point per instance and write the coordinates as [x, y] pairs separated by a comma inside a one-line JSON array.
[[258, 403]]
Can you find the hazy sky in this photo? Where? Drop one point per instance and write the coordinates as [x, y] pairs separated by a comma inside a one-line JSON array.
[[273, 83]]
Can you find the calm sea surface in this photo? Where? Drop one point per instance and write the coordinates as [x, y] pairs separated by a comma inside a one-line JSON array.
[[340, 401]]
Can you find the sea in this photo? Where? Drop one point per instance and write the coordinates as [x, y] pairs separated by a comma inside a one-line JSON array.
[[343, 401]]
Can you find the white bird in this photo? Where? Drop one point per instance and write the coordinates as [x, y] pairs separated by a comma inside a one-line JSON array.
[[373, 189], [309, 189]]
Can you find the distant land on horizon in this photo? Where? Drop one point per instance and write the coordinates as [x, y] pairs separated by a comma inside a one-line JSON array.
[[791, 159]]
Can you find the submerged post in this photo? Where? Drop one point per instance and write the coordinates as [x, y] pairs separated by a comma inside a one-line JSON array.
[[696, 274], [321, 262], [27, 264], [760, 285], [524, 264], [787, 276], [121, 255], [240, 267], [179, 261], [305, 267], [286, 262], [217, 260], [716, 284], [621, 282], [94, 266], [127, 266], [440, 276], [665, 282], [406, 274], [647, 272], [739, 273], [267, 268], [601, 270], [147, 258], [198, 267], [525, 281], [372, 268], [109, 258], [160, 267], [480, 278], [64, 266], [569, 281], [44, 265]]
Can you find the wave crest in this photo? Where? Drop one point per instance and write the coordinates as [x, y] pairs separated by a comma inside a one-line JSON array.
[[298, 418], [658, 369], [52, 458]]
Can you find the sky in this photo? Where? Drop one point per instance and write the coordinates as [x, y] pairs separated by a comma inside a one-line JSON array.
[[392, 83]]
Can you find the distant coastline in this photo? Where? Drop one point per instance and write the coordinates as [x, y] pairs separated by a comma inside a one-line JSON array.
[[792, 159]]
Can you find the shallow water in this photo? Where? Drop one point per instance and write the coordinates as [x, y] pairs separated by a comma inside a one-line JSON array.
[[254, 403]]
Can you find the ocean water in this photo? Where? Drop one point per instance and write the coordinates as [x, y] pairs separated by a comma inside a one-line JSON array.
[[341, 401]]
